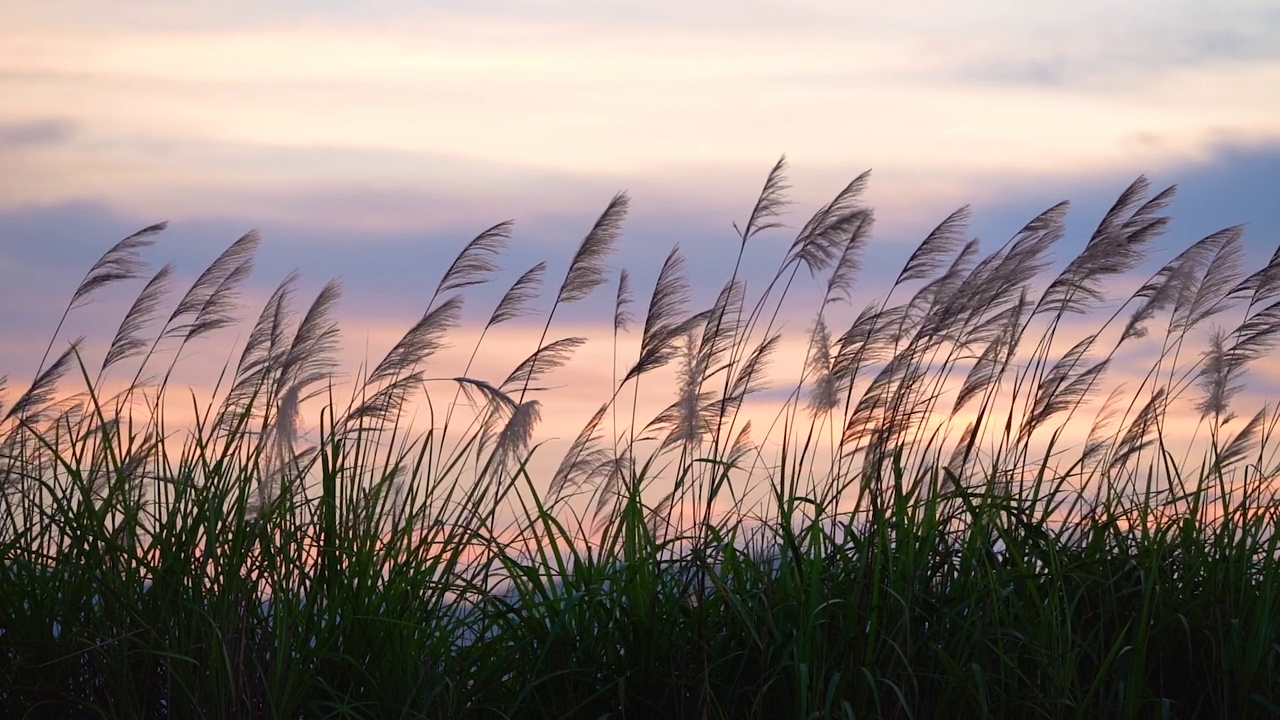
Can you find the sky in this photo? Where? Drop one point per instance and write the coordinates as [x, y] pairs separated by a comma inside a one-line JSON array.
[[371, 140]]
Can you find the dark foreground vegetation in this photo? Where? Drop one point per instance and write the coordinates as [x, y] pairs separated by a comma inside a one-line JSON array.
[[920, 531]]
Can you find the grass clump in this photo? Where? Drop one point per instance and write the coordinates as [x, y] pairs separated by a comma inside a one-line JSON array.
[[928, 527]]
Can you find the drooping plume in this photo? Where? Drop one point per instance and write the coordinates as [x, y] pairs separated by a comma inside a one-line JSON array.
[[587, 269]]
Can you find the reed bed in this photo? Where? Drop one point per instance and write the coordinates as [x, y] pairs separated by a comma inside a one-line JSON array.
[[948, 509]]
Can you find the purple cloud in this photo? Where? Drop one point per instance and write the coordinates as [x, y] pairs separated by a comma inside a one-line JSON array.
[[36, 133]]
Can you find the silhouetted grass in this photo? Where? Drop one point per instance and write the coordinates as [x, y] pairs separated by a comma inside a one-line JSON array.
[[919, 533]]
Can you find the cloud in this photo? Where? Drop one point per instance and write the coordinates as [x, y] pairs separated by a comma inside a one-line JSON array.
[[431, 102], [1113, 48], [35, 133]]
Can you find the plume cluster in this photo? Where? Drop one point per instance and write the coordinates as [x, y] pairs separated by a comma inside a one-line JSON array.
[[981, 343]]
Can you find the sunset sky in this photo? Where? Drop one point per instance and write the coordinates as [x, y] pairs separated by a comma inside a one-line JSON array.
[[371, 140]]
